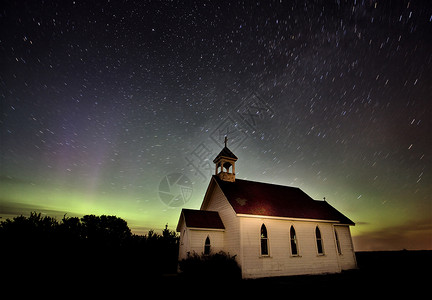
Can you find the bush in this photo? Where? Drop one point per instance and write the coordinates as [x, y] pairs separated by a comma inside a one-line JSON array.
[[220, 267], [91, 246]]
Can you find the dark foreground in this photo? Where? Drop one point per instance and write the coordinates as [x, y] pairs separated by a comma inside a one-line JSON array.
[[392, 273], [388, 274], [383, 274]]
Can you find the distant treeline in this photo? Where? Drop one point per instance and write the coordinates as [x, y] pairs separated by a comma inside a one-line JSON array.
[[91, 246]]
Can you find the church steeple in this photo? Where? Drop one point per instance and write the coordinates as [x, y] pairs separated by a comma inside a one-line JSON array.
[[225, 164]]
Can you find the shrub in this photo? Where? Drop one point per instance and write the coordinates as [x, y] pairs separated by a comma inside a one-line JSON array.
[[220, 267], [93, 246]]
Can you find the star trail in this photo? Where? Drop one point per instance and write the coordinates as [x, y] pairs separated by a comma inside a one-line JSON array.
[[119, 107]]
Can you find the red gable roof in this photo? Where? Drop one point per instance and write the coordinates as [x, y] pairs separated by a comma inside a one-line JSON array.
[[202, 219], [257, 198]]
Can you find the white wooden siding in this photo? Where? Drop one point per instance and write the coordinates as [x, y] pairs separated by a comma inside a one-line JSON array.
[[184, 240], [347, 259], [197, 240], [192, 240], [218, 202], [280, 262]]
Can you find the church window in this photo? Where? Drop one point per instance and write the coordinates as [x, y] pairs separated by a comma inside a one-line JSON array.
[[337, 242], [293, 238], [182, 237], [264, 241], [319, 241], [207, 246]]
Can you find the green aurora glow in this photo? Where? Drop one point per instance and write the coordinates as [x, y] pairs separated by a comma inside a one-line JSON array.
[[101, 101]]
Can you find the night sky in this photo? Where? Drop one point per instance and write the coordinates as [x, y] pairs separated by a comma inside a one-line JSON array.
[[119, 107]]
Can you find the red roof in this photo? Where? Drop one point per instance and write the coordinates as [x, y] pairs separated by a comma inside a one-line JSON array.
[[258, 198], [202, 219]]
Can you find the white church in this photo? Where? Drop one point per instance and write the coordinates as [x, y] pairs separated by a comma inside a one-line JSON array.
[[273, 230]]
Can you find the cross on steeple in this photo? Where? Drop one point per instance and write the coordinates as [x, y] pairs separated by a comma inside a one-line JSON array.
[[226, 140]]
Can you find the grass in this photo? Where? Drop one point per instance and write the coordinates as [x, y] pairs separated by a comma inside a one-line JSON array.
[[379, 275]]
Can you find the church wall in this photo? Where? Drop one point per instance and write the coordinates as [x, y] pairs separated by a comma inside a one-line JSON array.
[[347, 259], [184, 240], [218, 202], [192, 240], [280, 262], [197, 239]]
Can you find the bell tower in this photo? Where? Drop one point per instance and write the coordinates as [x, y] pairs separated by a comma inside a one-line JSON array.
[[225, 164]]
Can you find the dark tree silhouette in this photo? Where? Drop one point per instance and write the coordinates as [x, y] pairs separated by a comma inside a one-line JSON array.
[[89, 247], [36, 230], [105, 230]]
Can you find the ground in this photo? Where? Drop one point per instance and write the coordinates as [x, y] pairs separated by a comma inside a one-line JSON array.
[[393, 273], [388, 274]]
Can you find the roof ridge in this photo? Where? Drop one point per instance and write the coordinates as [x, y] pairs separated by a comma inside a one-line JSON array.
[[269, 199], [268, 183]]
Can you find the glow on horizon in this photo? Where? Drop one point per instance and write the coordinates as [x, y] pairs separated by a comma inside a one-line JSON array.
[[143, 215], [94, 117], [22, 198]]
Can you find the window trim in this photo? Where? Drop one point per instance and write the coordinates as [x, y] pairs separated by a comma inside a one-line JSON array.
[[207, 246], [266, 238], [295, 241], [337, 240], [321, 240]]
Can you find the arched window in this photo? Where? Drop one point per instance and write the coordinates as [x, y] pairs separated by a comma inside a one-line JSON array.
[[264, 241], [319, 241], [337, 242], [182, 237], [293, 237], [207, 246]]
